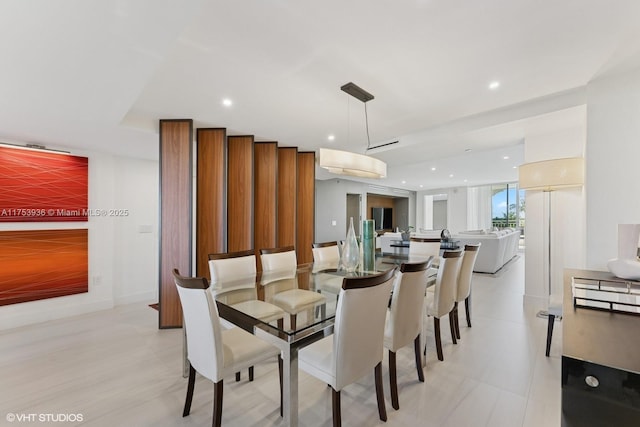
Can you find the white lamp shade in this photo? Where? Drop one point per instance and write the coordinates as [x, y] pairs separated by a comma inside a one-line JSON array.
[[348, 163], [549, 175]]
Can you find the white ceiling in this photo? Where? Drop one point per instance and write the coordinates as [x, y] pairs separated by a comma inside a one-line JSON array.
[[98, 75]]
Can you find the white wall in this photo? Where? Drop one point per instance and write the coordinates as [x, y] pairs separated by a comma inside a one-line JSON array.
[[613, 155], [331, 205], [122, 262], [427, 212], [568, 219], [440, 213], [456, 208]]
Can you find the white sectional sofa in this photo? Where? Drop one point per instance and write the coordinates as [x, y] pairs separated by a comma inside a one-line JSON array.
[[498, 247], [384, 241]]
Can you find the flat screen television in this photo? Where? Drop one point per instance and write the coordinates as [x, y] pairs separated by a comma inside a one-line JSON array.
[[383, 218]]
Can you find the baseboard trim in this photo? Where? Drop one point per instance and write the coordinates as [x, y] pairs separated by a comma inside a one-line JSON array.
[[34, 316], [147, 296]]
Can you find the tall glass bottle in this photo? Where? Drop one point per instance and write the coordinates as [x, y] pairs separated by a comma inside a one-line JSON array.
[[350, 251], [368, 245]]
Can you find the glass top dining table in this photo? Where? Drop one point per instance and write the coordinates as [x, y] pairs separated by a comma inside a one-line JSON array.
[[242, 303]]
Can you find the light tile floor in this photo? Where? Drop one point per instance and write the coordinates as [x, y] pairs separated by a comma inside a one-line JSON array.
[[115, 368]]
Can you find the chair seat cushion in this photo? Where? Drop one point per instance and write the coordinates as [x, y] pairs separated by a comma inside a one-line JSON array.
[[388, 332], [331, 284], [429, 303], [260, 310], [241, 350], [296, 300], [317, 360]]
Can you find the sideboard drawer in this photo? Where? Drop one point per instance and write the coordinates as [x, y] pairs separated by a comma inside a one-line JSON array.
[[597, 395]]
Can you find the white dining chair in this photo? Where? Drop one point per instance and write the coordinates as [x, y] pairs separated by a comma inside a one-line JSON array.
[[426, 247], [356, 346], [279, 280], [326, 256], [404, 319], [464, 284], [213, 352], [233, 282], [444, 295]]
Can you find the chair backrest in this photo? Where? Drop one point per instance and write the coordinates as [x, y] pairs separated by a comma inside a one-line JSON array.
[[406, 313], [326, 255], [466, 271], [359, 326], [232, 271], [424, 246], [278, 264], [447, 282], [202, 325]]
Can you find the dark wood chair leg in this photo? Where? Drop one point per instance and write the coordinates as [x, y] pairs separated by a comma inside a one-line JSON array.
[[190, 386], [323, 311], [238, 376], [317, 307], [456, 322], [436, 328], [382, 410], [335, 406], [292, 318], [467, 312], [416, 346], [452, 327], [218, 389], [393, 380], [280, 378], [281, 323], [552, 319], [250, 373]]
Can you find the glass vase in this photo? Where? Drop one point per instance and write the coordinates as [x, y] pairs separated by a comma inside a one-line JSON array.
[[350, 251], [368, 245]]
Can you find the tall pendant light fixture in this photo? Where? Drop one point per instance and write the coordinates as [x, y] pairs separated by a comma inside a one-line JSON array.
[[348, 163]]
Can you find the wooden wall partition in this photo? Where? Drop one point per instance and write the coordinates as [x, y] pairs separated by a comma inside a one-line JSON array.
[[265, 196], [211, 200], [306, 197], [239, 193], [176, 138], [287, 196]]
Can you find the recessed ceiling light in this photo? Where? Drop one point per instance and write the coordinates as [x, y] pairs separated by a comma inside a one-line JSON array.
[[433, 169], [494, 85], [420, 185], [505, 157], [404, 182], [465, 180], [450, 175], [331, 137], [515, 167], [227, 102]]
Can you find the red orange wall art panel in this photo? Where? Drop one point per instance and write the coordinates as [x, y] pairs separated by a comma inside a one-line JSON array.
[[37, 186], [39, 264]]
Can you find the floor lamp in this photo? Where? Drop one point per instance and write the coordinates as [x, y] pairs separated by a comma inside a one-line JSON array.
[[548, 176]]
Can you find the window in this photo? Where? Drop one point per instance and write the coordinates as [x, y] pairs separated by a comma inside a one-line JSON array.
[[507, 206]]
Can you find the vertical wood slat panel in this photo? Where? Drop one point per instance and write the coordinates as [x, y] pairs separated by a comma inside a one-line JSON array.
[[287, 192], [265, 196], [239, 193], [211, 196], [176, 138], [306, 197]]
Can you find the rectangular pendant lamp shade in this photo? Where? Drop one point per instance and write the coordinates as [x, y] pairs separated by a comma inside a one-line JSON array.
[[353, 164], [549, 175]]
